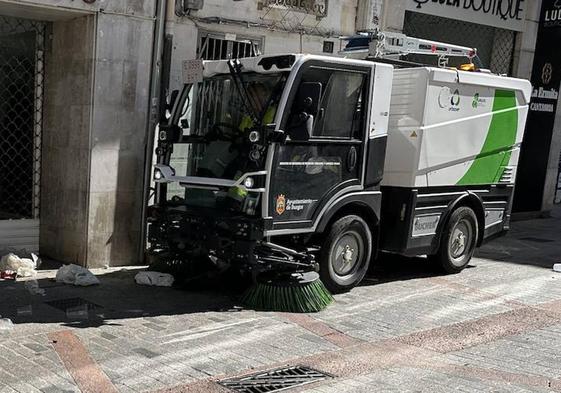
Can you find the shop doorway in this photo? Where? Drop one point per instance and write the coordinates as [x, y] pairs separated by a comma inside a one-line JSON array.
[[21, 126]]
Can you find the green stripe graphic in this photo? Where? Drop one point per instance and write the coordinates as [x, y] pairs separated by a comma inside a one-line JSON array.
[[490, 163]]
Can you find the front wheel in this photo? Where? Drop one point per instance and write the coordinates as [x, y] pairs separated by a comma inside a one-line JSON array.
[[458, 242], [345, 254]]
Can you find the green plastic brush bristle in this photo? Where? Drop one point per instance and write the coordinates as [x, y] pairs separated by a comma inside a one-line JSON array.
[[297, 292]]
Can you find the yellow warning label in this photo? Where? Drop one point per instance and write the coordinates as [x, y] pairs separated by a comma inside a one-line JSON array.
[[413, 134]]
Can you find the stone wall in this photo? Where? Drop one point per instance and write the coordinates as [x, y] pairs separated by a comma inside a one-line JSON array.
[[122, 80], [65, 149]]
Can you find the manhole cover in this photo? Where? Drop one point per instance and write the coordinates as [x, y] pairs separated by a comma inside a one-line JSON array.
[[536, 239], [72, 303], [275, 380]]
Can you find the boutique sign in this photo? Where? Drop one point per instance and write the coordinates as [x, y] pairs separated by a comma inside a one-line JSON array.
[[506, 14]]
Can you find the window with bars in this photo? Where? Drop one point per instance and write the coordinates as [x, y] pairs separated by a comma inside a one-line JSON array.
[[221, 47]]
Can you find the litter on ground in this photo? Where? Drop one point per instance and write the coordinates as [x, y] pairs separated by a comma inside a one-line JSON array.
[[76, 275], [154, 278], [557, 267], [24, 267], [8, 275], [6, 324]]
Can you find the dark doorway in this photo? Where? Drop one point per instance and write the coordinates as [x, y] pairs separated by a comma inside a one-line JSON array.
[[21, 122]]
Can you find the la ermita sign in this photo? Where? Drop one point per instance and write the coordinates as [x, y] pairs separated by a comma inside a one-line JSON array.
[[505, 14]]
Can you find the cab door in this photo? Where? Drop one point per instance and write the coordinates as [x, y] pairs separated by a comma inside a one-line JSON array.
[[309, 172]]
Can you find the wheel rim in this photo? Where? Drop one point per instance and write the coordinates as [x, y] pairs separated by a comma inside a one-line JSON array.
[[459, 244], [346, 253]]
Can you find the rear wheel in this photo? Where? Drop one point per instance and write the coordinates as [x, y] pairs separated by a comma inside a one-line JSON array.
[[458, 241], [345, 254]]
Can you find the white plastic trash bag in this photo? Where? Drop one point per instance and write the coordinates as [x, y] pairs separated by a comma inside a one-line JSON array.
[[76, 275], [24, 267], [154, 278], [6, 324]]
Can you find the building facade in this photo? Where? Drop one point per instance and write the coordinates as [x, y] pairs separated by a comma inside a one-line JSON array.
[[77, 95]]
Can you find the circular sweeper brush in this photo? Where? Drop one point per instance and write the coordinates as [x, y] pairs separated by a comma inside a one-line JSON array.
[[288, 292]]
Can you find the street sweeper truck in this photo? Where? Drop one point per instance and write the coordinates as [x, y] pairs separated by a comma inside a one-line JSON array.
[[282, 165]]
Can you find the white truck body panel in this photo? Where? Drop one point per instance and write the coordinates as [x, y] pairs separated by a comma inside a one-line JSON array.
[[451, 127]]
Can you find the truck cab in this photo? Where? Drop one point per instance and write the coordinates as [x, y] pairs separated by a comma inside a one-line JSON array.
[[265, 153]]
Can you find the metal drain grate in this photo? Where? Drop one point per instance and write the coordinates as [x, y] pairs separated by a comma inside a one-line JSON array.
[[536, 239], [275, 380], [72, 303]]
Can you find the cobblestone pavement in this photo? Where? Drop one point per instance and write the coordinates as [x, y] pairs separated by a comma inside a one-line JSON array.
[[495, 327]]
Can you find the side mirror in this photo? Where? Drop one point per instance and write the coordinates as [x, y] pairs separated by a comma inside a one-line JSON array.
[[304, 111], [308, 98]]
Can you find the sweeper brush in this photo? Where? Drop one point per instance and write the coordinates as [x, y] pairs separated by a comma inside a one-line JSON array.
[[295, 292]]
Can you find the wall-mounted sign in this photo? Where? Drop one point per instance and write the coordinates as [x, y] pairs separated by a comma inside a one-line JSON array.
[[313, 7], [505, 14], [192, 71], [546, 78]]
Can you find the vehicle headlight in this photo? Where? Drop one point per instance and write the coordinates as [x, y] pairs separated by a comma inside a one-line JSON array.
[[248, 182], [157, 174]]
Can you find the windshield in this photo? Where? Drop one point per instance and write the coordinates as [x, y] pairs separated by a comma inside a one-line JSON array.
[[216, 117]]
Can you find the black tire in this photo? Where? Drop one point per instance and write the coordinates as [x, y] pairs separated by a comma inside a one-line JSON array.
[[351, 239], [458, 241]]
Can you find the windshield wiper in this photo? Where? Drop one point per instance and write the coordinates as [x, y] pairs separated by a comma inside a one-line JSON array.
[[275, 95], [236, 73]]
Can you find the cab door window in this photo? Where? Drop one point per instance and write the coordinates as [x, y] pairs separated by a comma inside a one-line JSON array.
[[338, 114], [340, 111]]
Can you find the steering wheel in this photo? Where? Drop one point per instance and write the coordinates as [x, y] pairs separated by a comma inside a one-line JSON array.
[[224, 131]]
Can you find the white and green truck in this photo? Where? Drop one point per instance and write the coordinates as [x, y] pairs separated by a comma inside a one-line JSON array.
[[298, 162]]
